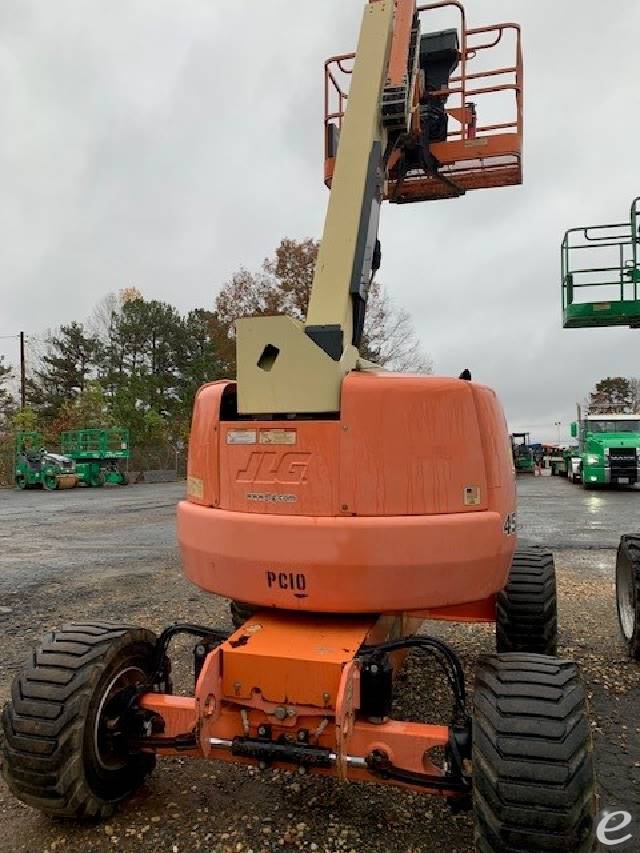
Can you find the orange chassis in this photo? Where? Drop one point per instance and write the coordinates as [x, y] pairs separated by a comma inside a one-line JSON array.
[[339, 572], [306, 711]]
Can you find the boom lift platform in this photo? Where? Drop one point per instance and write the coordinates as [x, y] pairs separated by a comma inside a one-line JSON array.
[[602, 261], [339, 506], [438, 144]]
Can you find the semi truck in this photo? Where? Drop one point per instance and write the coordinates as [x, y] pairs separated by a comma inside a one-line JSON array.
[[609, 449]]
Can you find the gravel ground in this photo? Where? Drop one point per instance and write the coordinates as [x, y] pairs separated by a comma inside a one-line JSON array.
[[111, 555]]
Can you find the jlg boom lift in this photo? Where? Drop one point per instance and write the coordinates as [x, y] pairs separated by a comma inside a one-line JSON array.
[[600, 279], [339, 507]]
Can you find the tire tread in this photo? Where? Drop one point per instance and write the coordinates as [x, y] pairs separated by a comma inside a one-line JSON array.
[[44, 722], [532, 763]]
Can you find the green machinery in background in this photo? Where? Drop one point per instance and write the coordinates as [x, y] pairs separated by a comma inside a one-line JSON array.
[[609, 449], [36, 467], [603, 261], [100, 455], [523, 456], [601, 274]]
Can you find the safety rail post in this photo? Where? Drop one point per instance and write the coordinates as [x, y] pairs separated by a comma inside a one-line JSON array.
[[634, 245], [567, 289]]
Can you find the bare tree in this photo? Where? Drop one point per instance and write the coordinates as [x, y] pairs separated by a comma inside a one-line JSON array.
[[613, 395], [389, 338], [283, 286]]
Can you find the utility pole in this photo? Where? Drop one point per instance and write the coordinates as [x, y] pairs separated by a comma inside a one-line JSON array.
[[23, 384]]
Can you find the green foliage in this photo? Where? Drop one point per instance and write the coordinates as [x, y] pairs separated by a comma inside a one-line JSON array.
[[25, 420], [138, 363], [139, 367], [89, 409], [67, 366]]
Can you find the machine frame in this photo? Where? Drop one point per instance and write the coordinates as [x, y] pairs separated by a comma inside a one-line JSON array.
[[101, 454], [339, 506]]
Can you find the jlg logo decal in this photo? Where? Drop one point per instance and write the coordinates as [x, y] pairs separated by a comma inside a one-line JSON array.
[[289, 469]]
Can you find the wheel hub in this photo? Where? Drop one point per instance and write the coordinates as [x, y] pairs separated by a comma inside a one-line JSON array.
[[111, 724]]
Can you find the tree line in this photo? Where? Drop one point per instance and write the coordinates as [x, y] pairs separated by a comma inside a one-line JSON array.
[[138, 362], [615, 395]]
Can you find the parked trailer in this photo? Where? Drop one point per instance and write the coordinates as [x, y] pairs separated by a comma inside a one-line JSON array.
[[101, 455], [561, 461]]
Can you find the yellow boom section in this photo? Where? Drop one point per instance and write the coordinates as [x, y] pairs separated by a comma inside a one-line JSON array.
[[285, 366]]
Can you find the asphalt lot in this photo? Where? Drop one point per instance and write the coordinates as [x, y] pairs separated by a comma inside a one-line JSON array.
[[555, 513], [111, 554]]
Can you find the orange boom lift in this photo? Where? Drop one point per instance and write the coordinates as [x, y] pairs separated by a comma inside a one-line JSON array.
[[338, 507]]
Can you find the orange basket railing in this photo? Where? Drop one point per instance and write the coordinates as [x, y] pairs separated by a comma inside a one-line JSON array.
[[478, 154]]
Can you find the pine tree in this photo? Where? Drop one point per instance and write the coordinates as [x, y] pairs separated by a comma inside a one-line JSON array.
[[67, 366]]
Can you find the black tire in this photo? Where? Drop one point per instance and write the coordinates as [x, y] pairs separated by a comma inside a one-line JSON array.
[[53, 758], [240, 612], [533, 778], [49, 483], [628, 593], [124, 479], [21, 483], [527, 609]]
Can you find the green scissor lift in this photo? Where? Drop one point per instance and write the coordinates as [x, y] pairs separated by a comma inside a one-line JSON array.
[[604, 260], [101, 455]]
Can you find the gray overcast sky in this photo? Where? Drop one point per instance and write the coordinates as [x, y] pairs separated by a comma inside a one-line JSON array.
[[165, 143]]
